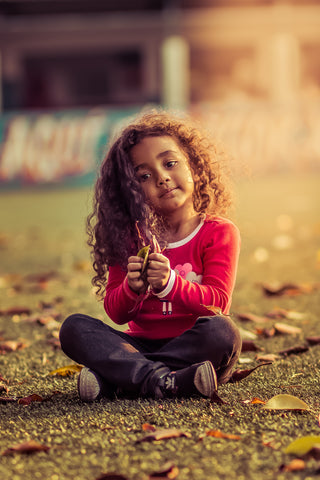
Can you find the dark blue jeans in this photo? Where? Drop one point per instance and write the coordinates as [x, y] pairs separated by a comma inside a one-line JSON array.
[[130, 363]]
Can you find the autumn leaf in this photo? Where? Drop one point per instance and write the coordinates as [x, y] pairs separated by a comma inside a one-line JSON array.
[[15, 311], [303, 445], [216, 399], [285, 402], [146, 427], [144, 253], [294, 350], [66, 371], [168, 471], [252, 318], [7, 399], [295, 465], [26, 447], [249, 346], [30, 399], [11, 346], [287, 329], [219, 434], [288, 289], [313, 340], [213, 309], [254, 401], [239, 375], [164, 434], [268, 357]]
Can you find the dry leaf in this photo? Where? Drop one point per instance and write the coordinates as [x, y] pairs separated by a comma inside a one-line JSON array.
[[313, 340], [146, 427], [26, 447], [164, 434], [287, 329], [216, 399], [219, 434], [251, 317], [67, 371], [302, 446], [268, 357], [266, 332], [289, 289], [256, 401], [295, 465], [11, 346], [30, 399], [16, 311], [249, 346], [144, 253], [294, 350], [239, 375], [285, 402], [7, 399], [168, 471], [213, 309]]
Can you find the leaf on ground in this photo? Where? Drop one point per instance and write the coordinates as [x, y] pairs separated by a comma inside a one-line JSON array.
[[216, 399], [295, 465], [7, 399], [278, 313], [219, 434], [251, 317], [164, 434], [26, 447], [239, 375], [313, 340], [30, 399], [266, 332], [288, 289], [15, 311], [303, 445], [66, 371], [146, 427], [169, 471], [287, 329], [246, 334], [11, 346], [268, 357], [249, 346], [254, 401], [285, 402], [294, 350]]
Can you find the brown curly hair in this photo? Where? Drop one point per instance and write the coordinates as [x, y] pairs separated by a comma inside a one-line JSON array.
[[119, 204]]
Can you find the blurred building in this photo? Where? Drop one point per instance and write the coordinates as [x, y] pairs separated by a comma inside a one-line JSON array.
[[77, 53]]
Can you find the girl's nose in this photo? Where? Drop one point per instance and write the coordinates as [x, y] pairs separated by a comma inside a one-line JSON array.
[[162, 179]]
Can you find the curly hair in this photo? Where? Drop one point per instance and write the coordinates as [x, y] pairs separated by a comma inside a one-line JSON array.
[[119, 203]]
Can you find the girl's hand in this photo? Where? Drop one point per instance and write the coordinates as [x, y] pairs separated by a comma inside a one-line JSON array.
[[135, 281], [158, 271]]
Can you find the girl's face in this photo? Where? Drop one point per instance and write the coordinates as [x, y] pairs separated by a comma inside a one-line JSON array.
[[164, 172]]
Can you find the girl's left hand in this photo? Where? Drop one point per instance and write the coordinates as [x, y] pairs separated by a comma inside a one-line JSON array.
[[158, 271]]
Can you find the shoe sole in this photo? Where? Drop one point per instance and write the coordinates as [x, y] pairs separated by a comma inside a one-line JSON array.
[[205, 379], [88, 385]]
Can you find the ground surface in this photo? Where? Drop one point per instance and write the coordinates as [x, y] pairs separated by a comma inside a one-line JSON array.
[[45, 268]]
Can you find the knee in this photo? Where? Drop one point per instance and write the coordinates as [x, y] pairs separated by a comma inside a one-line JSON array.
[[69, 330], [222, 332]]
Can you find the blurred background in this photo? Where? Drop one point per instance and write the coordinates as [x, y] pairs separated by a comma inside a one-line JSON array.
[[71, 70]]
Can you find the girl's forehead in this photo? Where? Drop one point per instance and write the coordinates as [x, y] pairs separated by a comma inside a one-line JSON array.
[[155, 146]]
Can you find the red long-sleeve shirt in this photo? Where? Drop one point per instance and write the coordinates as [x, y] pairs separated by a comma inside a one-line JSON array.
[[203, 273]]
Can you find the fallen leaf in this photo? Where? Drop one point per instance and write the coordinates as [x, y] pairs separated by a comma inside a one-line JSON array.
[[268, 357], [7, 399], [287, 329], [15, 311], [294, 350], [256, 401], [295, 465], [213, 309], [169, 471], [249, 346], [146, 427], [219, 434], [302, 446], [66, 371], [313, 340], [289, 289], [251, 317], [239, 375], [246, 334], [216, 399], [164, 434], [266, 332], [26, 447], [11, 346], [30, 399], [285, 402]]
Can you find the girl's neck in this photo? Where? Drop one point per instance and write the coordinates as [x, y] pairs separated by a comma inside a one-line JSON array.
[[178, 228]]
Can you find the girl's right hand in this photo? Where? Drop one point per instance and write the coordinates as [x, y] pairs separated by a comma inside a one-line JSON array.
[[135, 281]]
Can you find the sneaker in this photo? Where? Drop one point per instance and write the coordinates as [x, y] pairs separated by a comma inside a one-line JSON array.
[[199, 379], [89, 385]]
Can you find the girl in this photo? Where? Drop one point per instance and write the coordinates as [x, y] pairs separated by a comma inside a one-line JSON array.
[[161, 180]]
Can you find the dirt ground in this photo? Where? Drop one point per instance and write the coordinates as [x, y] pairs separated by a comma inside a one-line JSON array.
[[45, 275]]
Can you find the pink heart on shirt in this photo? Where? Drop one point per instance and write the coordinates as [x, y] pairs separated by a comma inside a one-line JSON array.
[[183, 270]]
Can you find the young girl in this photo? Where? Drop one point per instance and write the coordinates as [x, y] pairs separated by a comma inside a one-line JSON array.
[[160, 185]]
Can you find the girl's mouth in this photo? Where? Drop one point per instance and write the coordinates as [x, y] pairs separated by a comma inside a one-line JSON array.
[[167, 192]]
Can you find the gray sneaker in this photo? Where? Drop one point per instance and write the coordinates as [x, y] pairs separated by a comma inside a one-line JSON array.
[[89, 385]]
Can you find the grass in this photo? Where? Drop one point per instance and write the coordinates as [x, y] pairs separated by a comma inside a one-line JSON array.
[[43, 231]]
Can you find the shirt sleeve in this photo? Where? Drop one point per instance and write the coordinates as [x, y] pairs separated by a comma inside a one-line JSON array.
[[120, 302], [219, 253]]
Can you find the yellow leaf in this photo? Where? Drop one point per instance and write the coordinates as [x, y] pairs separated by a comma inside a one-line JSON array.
[[285, 402], [144, 253], [67, 370], [301, 446], [215, 310]]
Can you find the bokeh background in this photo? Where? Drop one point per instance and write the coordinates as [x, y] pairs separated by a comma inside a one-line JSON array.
[[71, 70]]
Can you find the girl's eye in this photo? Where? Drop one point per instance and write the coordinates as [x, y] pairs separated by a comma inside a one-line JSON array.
[[144, 177], [171, 163]]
